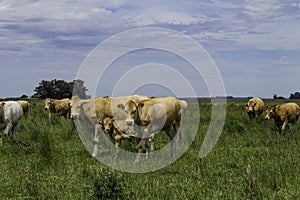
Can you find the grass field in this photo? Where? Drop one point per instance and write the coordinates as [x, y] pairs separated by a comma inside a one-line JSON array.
[[250, 161]]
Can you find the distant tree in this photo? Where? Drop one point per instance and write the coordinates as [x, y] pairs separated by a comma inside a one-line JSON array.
[[277, 97], [79, 89], [59, 89], [296, 95], [24, 96]]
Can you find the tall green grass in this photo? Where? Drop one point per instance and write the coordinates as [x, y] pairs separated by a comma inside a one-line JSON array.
[[250, 161]]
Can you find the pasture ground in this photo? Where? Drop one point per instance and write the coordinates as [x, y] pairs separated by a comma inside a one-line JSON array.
[[250, 161]]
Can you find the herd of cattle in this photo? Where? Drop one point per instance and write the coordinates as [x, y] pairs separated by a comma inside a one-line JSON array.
[[282, 114], [133, 116]]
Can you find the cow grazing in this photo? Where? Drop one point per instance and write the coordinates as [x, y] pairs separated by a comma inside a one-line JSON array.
[[283, 114], [154, 115], [58, 107], [91, 111], [254, 107], [25, 106], [10, 116]]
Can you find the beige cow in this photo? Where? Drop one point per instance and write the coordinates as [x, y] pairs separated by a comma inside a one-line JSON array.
[[254, 107], [58, 107], [283, 114], [91, 111], [153, 115], [25, 106]]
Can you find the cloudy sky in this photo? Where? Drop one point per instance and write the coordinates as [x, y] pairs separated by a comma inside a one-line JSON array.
[[254, 43]]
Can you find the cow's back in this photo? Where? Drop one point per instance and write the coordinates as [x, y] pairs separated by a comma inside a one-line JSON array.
[[25, 106], [258, 104], [62, 105], [290, 111], [115, 101], [12, 111], [167, 108]]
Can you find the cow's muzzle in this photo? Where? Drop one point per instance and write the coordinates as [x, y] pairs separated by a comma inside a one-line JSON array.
[[129, 122]]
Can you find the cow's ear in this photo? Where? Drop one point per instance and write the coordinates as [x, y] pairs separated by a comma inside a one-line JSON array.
[[121, 106], [2, 104], [113, 119], [100, 121]]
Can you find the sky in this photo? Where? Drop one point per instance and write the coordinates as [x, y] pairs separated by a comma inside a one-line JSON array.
[[255, 44]]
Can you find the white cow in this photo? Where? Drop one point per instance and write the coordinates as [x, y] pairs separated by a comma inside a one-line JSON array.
[[10, 116]]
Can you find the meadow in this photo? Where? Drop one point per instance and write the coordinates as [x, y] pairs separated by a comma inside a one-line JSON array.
[[250, 161]]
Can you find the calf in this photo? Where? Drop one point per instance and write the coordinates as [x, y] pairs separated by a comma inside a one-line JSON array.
[[117, 129], [283, 114], [10, 116]]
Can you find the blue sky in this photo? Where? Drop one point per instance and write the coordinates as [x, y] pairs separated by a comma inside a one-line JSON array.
[[255, 44]]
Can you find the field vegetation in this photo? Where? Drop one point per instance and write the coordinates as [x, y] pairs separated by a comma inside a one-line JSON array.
[[250, 161]]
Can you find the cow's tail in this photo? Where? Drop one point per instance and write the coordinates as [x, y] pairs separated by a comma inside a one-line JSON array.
[[298, 111], [183, 105]]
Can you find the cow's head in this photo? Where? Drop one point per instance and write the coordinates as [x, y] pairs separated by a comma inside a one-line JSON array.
[[1, 105], [270, 112], [75, 107], [250, 106], [107, 124], [131, 109], [48, 103]]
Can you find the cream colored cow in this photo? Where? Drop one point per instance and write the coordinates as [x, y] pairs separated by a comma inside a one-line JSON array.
[[58, 107], [254, 107], [25, 106], [283, 114], [153, 115]]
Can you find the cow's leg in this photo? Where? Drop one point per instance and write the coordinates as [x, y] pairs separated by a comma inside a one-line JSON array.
[[148, 147], [151, 141], [140, 146], [96, 140], [1, 142], [15, 129], [117, 144], [177, 133], [284, 124], [49, 115], [8, 126], [170, 133]]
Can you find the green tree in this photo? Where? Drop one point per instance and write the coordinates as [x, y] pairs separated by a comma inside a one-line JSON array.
[[79, 89], [296, 95], [59, 89]]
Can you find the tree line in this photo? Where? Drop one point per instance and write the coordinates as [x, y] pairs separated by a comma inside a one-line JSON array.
[[60, 89], [295, 95]]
